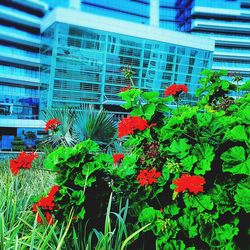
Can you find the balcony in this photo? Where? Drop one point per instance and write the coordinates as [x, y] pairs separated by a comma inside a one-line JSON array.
[[231, 54], [10, 54], [221, 39], [217, 25], [19, 76], [231, 66], [18, 36], [22, 123], [220, 11], [19, 17]]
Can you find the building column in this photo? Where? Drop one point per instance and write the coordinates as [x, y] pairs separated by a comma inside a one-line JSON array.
[[75, 4], [154, 13]]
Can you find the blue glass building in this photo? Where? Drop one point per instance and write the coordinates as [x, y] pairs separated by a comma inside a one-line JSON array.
[[225, 21], [82, 56], [19, 69]]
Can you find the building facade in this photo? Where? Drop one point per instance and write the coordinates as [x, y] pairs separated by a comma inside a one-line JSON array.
[[225, 21], [19, 70], [82, 56]]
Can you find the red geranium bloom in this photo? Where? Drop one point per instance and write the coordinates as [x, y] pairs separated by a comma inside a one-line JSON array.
[[24, 160], [128, 125], [148, 177], [118, 157], [46, 206], [125, 88], [176, 89], [191, 183], [52, 124]]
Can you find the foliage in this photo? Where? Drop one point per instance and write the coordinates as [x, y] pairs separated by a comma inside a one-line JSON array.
[[77, 170], [18, 144], [30, 135], [186, 175], [210, 140]]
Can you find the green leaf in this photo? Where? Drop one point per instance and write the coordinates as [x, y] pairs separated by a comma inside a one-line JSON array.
[[201, 202], [165, 173], [149, 215], [242, 197], [137, 112], [87, 146], [77, 197], [174, 245], [222, 198], [235, 161], [162, 108], [81, 214], [202, 167], [188, 224], [179, 148], [218, 236], [204, 119], [225, 84], [127, 167], [59, 156], [245, 86], [237, 133], [148, 110], [80, 180], [172, 209], [131, 97], [188, 162], [150, 96], [205, 155]]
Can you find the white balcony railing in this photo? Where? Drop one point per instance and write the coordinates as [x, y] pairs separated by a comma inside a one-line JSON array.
[[19, 73], [15, 51]]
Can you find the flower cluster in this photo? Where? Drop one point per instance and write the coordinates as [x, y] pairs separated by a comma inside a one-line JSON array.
[[175, 90], [118, 158], [125, 89], [148, 177], [52, 124], [46, 206], [24, 160], [191, 183], [128, 125]]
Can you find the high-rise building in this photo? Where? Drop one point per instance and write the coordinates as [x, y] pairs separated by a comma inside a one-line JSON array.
[[82, 55], [19, 69], [225, 21]]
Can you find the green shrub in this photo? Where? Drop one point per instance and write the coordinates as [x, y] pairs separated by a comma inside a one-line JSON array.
[[18, 144]]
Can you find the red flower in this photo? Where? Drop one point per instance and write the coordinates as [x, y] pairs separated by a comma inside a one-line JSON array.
[[118, 157], [146, 177], [176, 89], [46, 206], [192, 183], [125, 89], [52, 124], [24, 160], [128, 125]]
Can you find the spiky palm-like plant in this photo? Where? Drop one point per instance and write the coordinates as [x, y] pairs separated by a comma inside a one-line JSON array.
[[97, 125], [79, 124], [64, 135]]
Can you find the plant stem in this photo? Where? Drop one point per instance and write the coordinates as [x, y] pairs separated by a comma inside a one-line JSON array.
[[177, 104], [131, 81], [200, 203], [158, 201], [238, 94]]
